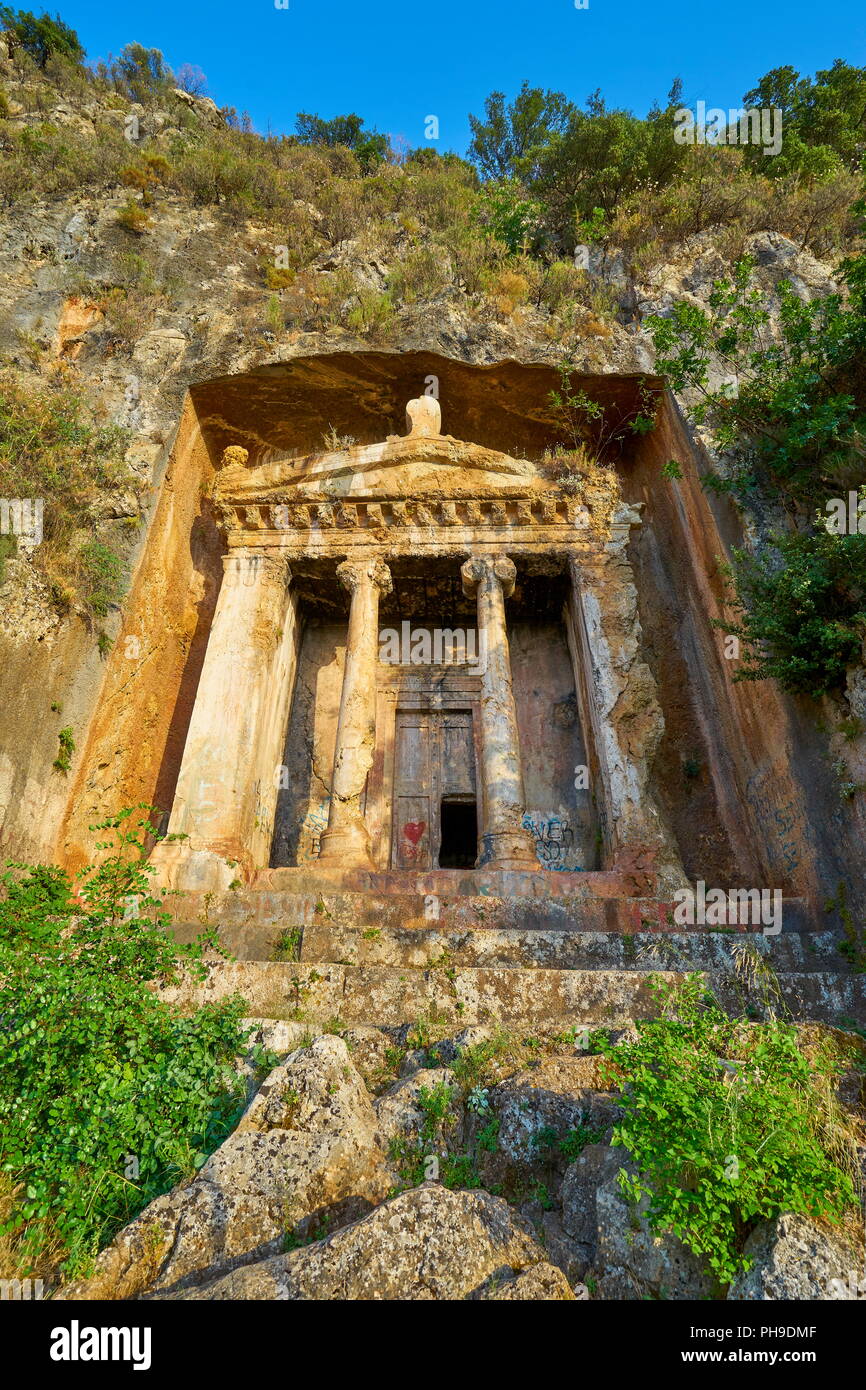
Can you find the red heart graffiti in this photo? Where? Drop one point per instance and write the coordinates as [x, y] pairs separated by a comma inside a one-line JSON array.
[[414, 829]]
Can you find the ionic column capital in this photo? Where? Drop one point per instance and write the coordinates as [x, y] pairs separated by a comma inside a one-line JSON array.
[[354, 574], [480, 567], [250, 567]]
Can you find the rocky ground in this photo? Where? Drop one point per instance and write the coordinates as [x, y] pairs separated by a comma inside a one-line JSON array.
[[376, 1165]]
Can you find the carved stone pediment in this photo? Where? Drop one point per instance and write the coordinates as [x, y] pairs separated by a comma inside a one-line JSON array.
[[421, 466], [411, 468]]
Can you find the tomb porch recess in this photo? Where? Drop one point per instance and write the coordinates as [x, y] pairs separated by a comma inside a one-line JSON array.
[[344, 523]]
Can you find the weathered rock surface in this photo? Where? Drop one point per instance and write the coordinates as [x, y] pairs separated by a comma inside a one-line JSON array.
[[634, 1263], [596, 1165], [401, 1115], [794, 1258], [540, 1283], [428, 1244], [561, 1094], [369, 1050]]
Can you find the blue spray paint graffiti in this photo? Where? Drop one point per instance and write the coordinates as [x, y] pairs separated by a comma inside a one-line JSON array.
[[554, 841]]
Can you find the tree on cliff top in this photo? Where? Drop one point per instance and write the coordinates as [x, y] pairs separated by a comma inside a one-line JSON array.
[[42, 37]]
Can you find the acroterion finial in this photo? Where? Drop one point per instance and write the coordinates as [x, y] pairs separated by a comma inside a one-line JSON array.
[[424, 417]]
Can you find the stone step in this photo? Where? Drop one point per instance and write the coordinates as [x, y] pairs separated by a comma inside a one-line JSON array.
[[250, 925], [390, 996], [567, 949]]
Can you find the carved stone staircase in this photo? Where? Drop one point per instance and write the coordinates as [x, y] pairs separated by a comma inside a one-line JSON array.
[[530, 962]]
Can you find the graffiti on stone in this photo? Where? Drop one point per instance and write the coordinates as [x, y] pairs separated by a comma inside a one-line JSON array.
[[554, 840]]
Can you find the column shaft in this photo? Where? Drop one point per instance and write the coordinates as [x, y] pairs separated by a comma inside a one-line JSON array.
[[232, 745], [505, 843], [347, 841]]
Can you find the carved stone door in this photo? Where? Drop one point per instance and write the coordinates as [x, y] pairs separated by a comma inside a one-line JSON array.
[[434, 777]]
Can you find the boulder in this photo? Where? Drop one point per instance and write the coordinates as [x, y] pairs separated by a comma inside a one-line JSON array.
[[560, 1094], [369, 1048], [595, 1166], [794, 1258], [427, 1244], [281, 1035], [449, 1049], [400, 1115], [632, 1262], [542, 1283], [570, 1256]]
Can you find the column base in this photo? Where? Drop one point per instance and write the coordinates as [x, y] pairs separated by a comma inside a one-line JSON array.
[[508, 849], [347, 847], [192, 870]]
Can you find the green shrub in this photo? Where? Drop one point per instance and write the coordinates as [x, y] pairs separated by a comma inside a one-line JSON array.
[[421, 274], [101, 573], [794, 429], [140, 74], [562, 284], [107, 1094], [8, 548], [132, 217], [66, 740], [372, 313], [719, 1149], [51, 447], [505, 213], [370, 146], [802, 610]]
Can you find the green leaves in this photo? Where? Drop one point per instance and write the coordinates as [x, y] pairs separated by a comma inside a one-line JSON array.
[[803, 609], [793, 413], [96, 1069], [718, 1149]]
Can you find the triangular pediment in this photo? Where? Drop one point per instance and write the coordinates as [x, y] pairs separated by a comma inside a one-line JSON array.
[[411, 468]]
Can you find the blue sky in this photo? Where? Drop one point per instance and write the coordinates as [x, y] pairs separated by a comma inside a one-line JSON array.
[[396, 62]]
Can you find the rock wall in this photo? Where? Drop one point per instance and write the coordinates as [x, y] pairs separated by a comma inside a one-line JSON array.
[[742, 770]]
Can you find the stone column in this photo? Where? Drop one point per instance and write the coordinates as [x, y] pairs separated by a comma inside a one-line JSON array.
[[346, 842], [624, 714], [505, 843], [233, 744]]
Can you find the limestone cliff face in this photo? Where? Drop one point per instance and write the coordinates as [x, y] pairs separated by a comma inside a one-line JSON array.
[[167, 334]]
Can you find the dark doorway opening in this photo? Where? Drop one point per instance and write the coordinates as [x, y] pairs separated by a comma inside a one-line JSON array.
[[458, 848]]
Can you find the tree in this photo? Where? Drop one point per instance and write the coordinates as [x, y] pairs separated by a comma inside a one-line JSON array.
[[509, 142], [370, 146], [41, 37], [600, 158], [574, 161], [823, 119], [140, 72], [191, 79]]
